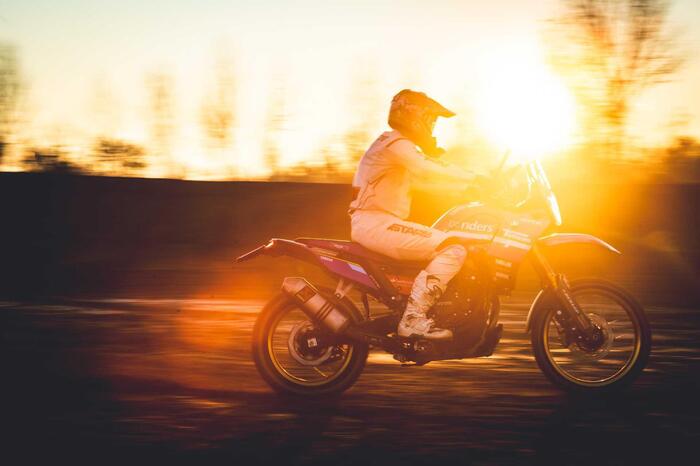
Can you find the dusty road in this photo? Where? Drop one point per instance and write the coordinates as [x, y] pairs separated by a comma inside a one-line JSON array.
[[173, 381]]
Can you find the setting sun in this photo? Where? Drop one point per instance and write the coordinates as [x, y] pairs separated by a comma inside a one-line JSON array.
[[523, 107]]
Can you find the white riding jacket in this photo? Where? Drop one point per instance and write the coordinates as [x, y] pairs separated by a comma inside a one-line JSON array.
[[389, 168]]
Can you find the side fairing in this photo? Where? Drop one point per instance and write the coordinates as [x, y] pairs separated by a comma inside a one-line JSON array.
[[349, 270], [510, 246], [507, 237]]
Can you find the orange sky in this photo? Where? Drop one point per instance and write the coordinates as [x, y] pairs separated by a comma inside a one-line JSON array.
[[85, 65]]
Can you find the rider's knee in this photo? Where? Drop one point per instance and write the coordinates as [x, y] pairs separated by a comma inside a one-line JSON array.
[[455, 252]]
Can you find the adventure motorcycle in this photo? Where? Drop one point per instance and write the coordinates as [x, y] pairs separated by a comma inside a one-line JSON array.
[[586, 334]]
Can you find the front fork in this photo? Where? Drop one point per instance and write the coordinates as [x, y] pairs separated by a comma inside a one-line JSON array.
[[576, 324]]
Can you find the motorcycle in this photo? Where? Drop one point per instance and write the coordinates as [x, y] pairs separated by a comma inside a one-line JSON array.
[[587, 335]]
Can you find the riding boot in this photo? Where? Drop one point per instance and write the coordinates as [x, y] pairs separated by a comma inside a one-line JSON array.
[[427, 288], [425, 293]]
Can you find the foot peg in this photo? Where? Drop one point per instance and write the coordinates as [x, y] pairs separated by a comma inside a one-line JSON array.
[[417, 351]]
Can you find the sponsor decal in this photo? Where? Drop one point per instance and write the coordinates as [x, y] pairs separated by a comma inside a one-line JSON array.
[[515, 235], [507, 243], [503, 263], [305, 294], [350, 270], [352, 265], [409, 230], [471, 226], [471, 236], [357, 268], [400, 281]]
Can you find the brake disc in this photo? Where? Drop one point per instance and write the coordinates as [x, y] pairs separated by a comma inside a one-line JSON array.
[[602, 350], [306, 351]]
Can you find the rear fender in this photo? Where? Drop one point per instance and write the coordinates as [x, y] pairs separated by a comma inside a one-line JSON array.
[[281, 247], [576, 238]]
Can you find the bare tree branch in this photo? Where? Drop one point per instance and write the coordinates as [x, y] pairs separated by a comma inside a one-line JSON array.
[[614, 50]]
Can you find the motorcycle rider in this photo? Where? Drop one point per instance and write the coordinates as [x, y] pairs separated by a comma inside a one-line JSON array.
[[393, 163]]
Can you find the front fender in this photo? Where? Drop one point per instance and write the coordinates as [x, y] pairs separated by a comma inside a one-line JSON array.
[[578, 238], [545, 296]]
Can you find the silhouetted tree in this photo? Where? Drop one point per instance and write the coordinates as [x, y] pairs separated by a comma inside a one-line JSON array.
[[161, 102], [104, 106], [682, 160], [613, 50], [275, 124], [332, 170], [118, 157], [9, 93], [50, 160], [365, 112], [218, 116]]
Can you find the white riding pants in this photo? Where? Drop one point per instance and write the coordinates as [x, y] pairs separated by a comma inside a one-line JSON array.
[[403, 240]]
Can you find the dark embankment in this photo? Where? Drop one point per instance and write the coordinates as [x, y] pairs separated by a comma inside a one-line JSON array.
[[95, 236]]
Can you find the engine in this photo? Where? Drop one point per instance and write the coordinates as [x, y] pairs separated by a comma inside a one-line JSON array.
[[466, 307]]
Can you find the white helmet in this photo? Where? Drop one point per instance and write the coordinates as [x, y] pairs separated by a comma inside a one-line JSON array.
[[414, 115]]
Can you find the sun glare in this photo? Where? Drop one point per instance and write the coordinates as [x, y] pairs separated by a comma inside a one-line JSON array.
[[524, 107]]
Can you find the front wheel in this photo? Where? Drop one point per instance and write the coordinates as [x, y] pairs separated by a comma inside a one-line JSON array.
[[614, 363], [296, 357]]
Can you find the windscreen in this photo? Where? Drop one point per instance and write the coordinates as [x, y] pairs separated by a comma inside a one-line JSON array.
[[539, 177]]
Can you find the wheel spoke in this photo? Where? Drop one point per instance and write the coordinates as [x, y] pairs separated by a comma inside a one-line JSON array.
[[610, 360], [295, 360]]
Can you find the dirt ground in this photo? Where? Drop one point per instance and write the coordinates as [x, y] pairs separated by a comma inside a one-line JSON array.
[[172, 381]]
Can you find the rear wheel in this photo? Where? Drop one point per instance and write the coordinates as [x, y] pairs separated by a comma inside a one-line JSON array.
[[296, 357], [616, 362]]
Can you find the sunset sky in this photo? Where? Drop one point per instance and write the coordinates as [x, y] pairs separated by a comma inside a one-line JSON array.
[[85, 65]]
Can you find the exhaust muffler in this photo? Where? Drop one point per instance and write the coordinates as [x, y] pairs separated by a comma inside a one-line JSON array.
[[314, 305]]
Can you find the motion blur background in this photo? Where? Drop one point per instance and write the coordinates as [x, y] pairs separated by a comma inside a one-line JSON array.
[[242, 93], [145, 144], [274, 89]]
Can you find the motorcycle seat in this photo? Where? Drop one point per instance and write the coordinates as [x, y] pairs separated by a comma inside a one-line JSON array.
[[352, 250]]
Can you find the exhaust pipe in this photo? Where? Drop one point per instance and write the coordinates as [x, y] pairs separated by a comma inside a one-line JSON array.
[[315, 305]]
